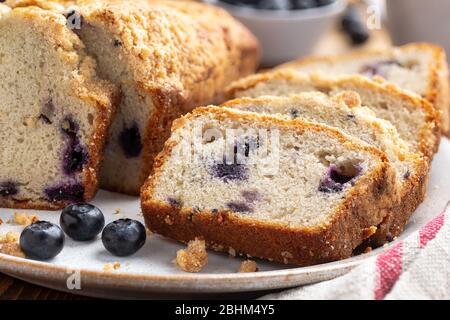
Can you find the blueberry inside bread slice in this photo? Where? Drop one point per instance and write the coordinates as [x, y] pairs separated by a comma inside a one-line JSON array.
[[344, 111], [420, 68], [54, 112], [290, 191]]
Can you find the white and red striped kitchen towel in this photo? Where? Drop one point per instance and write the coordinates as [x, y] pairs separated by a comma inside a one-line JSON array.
[[417, 267]]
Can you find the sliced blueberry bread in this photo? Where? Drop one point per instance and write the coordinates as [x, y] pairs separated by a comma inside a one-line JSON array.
[[54, 112], [417, 67], [414, 118], [167, 57], [344, 112], [288, 191]]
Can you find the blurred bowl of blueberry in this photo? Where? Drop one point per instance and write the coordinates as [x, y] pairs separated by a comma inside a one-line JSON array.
[[286, 29]]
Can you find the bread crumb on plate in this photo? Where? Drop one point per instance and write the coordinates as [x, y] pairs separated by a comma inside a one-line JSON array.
[[248, 266], [9, 244], [111, 266], [24, 219], [194, 258]]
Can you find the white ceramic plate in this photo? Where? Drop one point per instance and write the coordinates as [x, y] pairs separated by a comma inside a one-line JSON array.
[[151, 274]]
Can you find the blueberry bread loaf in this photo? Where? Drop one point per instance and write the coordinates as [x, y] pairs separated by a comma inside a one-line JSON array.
[[54, 112], [344, 112], [167, 57], [414, 118], [419, 67], [289, 191]]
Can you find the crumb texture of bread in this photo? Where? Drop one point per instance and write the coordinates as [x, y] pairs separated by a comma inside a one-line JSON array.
[[54, 111], [167, 57], [420, 68], [410, 144], [305, 202], [194, 258], [248, 266]]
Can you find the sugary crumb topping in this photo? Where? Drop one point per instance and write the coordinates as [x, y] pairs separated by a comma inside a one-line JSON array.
[[24, 219], [111, 266], [193, 258], [248, 266], [9, 244]]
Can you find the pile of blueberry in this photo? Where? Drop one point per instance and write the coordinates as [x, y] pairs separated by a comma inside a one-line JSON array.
[[280, 4], [43, 240]]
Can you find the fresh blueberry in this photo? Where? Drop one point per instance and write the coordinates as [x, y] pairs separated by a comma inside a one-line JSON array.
[[72, 192], [303, 4], [353, 25], [321, 3], [274, 4], [130, 141], [246, 3], [82, 221], [124, 237], [377, 68], [42, 240], [8, 189], [335, 180]]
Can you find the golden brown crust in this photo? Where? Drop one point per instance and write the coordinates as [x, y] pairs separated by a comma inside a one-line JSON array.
[[394, 224], [365, 206], [97, 145], [429, 134], [438, 80]]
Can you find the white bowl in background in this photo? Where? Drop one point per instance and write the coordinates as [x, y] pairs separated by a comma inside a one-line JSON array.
[[285, 35]]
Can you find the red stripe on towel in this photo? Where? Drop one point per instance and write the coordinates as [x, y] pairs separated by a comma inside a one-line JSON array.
[[429, 231], [389, 268]]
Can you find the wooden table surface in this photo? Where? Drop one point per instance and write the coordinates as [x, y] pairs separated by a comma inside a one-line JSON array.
[[333, 42]]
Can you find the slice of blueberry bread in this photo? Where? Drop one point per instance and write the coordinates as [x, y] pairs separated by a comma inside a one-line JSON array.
[[288, 191], [167, 57], [344, 111], [54, 112], [418, 67], [414, 118]]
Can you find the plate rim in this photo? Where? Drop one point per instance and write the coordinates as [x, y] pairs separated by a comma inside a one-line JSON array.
[[27, 267]]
